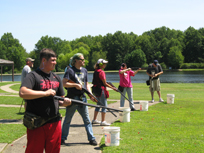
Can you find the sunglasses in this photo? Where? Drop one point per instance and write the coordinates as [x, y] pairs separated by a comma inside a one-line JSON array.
[[81, 59]]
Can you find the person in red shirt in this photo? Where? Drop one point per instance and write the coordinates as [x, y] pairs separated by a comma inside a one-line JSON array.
[[99, 83]]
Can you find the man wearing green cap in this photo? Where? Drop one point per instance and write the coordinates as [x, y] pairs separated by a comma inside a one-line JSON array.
[[74, 79]]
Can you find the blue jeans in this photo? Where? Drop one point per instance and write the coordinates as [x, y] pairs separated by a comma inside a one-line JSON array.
[[130, 97], [83, 111], [103, 102]]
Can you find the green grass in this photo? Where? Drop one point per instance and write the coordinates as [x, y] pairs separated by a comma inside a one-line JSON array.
[[10, 100], [11, 113], [164, 127], [16, 87], [5, 83], [11, 132]]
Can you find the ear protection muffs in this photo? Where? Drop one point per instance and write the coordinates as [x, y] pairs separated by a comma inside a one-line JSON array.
[[101, 64]]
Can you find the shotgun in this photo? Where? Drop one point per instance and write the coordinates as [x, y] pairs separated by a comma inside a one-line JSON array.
[[135, 68], [91, 95], [119, 92], [87, 104]]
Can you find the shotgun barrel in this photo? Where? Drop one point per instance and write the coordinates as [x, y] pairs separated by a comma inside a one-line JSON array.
[[119, 92], [87, 104]]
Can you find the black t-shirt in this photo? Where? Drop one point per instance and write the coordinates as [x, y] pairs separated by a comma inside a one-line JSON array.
[[151, 69], [46, 106], [77, 76]]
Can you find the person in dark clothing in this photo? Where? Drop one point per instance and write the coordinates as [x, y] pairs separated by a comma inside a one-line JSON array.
[[74, 79], [38, 89], [154, 71]]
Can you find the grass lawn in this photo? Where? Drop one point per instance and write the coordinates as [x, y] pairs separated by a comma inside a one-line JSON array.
[[164, 127]]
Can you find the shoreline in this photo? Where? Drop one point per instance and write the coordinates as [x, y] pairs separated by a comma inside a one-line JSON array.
[[173, 70]]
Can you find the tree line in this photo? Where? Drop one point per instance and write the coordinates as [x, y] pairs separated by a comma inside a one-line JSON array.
[[172, 48]]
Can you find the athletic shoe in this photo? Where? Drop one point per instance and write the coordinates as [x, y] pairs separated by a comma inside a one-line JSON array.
[[104, 123], [133, 109], [96, 122], [93, 142], [152, 101], [161, 100], [62, 142]]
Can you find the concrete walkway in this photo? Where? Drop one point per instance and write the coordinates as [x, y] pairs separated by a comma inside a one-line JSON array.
[[8, 89], [77, 139]]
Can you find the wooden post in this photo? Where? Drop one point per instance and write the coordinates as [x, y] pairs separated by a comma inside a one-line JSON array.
[[1, 73], [13, 72]]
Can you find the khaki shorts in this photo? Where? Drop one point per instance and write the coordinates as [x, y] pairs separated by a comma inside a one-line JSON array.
[[155, 86]]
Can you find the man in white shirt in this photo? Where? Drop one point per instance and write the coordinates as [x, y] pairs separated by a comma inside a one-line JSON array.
[[26, 70]]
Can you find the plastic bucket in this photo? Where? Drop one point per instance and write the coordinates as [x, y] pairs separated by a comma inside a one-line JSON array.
[[125, 115], [170, 98], [143, 105], [112, 136]]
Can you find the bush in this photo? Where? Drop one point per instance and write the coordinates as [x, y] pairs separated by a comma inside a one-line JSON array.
[[192, 65], [163, 65]]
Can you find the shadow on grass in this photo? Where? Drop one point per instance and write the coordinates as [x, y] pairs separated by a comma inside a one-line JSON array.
[[102, 146], [20, 113]]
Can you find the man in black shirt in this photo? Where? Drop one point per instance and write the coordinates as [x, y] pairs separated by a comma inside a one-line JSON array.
[[154, 71], [38, 89], [74, 79]]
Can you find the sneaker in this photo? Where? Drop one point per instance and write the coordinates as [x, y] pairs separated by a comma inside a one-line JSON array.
[[152, 101], [95, 122], [104, 123], [93, 142], [62, 142], [133, 109], [161, 100]]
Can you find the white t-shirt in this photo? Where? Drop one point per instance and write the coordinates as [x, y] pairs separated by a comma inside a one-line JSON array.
[[25, 71]]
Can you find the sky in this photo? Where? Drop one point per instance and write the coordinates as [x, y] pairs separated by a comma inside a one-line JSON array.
[[29, 20]]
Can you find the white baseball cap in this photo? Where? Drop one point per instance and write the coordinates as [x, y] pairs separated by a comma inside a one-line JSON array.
[[101, 61]]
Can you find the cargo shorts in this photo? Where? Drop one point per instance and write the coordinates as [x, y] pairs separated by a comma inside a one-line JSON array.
[[154, 85]]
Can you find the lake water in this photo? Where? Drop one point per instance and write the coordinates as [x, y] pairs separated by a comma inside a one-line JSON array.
[[141, 77]]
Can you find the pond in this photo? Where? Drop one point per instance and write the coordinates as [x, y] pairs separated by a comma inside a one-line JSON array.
[[141, 77]]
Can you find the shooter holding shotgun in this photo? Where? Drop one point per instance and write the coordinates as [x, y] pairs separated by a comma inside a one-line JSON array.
[[99, 89], [93, 98], [154, 71], [74, 90], [126, 84]]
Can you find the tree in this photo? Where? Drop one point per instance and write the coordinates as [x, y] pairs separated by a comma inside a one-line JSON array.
[[56, 44], [175, 57], [13, 51], [144, 42], [117, 45], [2, 51], [136, 58], [193, 45]]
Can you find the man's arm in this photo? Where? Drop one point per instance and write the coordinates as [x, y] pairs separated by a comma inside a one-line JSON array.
[[70, 84], [66, 102], [28, 94], [135, 72], [125, 70], [158, 73]]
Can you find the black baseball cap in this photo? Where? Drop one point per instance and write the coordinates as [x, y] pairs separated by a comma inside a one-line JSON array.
[[156, 62]]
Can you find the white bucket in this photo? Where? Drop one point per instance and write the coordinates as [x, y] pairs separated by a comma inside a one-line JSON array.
[[112, 136], [125, 115], [143, 105], [170, 98]]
